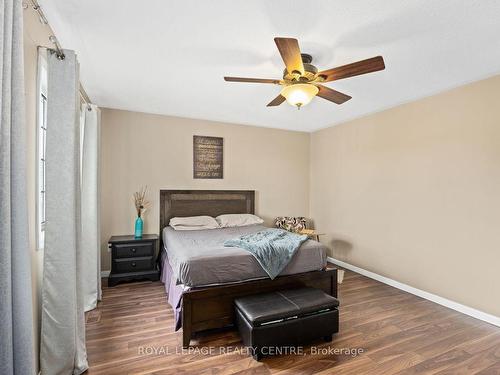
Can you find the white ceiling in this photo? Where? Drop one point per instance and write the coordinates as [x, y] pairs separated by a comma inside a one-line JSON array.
[[169, 57]]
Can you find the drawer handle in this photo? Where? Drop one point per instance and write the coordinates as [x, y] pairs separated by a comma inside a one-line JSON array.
[[134, 250], [133, 264]]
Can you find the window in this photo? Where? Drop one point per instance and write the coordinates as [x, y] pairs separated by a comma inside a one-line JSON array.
[[41, 147]]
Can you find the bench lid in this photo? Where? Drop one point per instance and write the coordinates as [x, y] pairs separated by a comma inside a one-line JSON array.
[[261, 308]]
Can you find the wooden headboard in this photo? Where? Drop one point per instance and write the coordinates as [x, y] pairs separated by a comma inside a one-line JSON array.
[[180, 203]]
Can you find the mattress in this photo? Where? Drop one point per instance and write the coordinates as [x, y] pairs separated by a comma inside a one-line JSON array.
[[199, 257]]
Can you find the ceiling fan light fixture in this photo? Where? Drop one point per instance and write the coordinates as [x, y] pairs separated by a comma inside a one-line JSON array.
[[299, 94]]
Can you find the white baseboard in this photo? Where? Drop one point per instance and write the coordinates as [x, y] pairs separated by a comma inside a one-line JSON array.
[[105, 274], [492, 319]]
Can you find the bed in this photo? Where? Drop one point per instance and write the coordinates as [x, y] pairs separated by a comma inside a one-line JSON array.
[[199, 258], [202, 277]]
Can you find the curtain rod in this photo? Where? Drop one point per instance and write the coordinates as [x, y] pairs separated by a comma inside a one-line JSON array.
[[84, 95], [53, 39], [37, 8], [41, 16]]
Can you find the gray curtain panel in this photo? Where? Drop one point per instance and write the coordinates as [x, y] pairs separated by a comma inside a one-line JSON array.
[[90, 242], [62, 347], [16, 316]]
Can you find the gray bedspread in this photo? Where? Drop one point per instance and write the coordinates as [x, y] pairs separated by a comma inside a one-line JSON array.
[[199, 258]]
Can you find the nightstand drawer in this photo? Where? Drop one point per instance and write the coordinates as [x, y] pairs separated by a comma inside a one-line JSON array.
[[133, 265], [134, 250]]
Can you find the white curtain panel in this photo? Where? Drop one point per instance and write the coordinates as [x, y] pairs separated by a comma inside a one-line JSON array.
[[90, 122], [62, 347], [16, 316]]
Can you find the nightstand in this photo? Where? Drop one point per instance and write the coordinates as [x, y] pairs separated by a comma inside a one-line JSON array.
[[311, 233], [133, 258]]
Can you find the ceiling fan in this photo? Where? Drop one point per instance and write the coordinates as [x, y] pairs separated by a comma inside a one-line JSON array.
[[301, 80]]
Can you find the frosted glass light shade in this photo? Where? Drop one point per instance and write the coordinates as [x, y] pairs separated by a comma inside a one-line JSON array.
[[299, 94]]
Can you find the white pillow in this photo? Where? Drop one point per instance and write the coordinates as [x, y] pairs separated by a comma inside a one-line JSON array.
[[193, 223], [237, 220]]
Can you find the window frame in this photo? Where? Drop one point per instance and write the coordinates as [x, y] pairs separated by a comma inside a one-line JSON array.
[[41, 148]]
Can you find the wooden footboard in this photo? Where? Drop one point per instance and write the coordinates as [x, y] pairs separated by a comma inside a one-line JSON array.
[[212, 307]]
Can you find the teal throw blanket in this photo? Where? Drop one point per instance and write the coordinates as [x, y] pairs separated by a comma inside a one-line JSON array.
[[273, 248]]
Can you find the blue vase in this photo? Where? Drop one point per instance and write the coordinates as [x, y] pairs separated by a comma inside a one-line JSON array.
[[138, 227]]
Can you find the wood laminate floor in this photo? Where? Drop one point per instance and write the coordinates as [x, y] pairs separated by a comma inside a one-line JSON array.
[[382, 331]]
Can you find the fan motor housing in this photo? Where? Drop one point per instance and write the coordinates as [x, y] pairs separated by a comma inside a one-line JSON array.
[[310, 71]]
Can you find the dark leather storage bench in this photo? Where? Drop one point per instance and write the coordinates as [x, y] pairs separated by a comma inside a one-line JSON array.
[[288, 318]]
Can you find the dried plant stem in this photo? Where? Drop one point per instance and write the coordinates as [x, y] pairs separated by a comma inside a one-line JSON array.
[[141, 204]]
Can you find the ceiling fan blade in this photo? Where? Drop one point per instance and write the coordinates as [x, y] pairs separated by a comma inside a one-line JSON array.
[[355, 69], [290, 53], [252, 80], [276, 101], [332, 95]]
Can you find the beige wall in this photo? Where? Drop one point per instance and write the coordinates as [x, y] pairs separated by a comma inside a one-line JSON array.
[[140, 149], [35, 34], [413, 193]]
